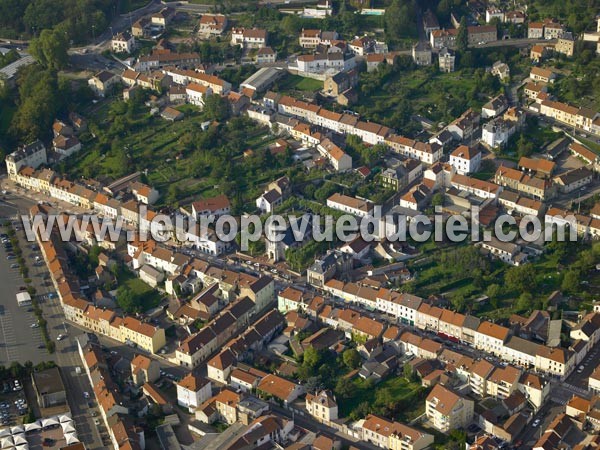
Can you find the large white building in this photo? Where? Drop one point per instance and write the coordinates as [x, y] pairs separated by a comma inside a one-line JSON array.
[[249, 37], [497, 132], [192, 391], [465, 159], [351, 205], [32, 155], [123, 43]]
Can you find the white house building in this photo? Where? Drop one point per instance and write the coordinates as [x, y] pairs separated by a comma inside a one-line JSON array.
[[465, 159]]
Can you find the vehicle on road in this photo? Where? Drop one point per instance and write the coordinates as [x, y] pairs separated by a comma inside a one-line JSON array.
[[60, 337], [535, 423]]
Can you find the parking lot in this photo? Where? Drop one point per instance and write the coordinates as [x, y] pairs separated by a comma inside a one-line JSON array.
[[13, 403], [20, 339]]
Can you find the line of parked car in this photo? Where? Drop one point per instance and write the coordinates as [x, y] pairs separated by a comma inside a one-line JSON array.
[[20, 404]]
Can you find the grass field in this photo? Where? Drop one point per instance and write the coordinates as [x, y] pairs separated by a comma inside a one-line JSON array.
[[396, 389], [151, 298], [131, 5], [298, 83]]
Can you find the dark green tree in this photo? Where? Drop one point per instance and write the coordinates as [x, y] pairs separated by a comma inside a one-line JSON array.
[[50, 49], [462, 38], [351, 358]]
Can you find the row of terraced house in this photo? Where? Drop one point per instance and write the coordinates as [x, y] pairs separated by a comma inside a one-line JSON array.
[[480, 334]]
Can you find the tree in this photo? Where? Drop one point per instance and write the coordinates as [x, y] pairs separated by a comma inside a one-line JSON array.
[[40, 100], [399, 20], [408, 371], [216, 108], [351, 358], [50, 49], [311, 358], [493, 291], [570, 282], [443, 10], [462, 38], [291, 24], [437, 199], [345, 388], [521, 278], [524, 302], [127, 300], [313, 384], [458, 302]]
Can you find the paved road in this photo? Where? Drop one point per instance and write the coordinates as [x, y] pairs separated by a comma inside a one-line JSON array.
[[310, 424], [524, 42]]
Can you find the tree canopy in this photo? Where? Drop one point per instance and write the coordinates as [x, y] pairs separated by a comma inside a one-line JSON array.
[[400, 20], [50, 49]]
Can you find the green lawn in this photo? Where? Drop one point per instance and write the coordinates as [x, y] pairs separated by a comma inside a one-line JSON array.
[[395, 389], [150, 297], [131, 5], [298, 83]]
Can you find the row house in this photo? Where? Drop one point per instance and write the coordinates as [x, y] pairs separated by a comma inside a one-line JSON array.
[[351, 205], [465, 126], [164, 58], [212, 25], [582, 118], [196, 348], [443, 38], [249, 37], [338, 158], [490, 337], [310, 38], [371, 132], [514, 203], [161, 258], [393, 435], [403, 306], [480, 188], [531, 186], [428, 153], [197, 94], [479, 35], [184, 77], [557, 362], [425, 348], [324, 62]]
